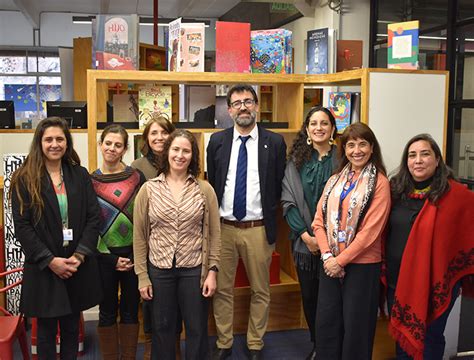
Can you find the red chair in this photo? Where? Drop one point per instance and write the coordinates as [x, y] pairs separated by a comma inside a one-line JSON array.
[[12, 327]]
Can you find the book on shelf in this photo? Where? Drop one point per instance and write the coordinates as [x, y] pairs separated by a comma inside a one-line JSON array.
[[340, 106], [317, 56], [355, 107], [125, 108], [173, 44], [271, 51], [153, 99], [402, 46], [115, 43], [186, 46], [349, 55], [232, 47]]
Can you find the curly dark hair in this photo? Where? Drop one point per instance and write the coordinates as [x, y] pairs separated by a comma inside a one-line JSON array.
[[194, 167], [300, 152], [402, 183], [361, 131]]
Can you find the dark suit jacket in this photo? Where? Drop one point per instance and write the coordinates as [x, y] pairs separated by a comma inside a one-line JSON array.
[[44, 294], [271, 168]]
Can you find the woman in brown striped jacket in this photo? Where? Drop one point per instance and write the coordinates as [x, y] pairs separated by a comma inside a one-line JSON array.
[[177, 247]]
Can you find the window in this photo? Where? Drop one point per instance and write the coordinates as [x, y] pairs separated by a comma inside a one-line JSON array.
[[30, 78]]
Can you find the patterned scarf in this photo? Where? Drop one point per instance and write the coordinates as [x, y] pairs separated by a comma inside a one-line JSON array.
[[359, 202]]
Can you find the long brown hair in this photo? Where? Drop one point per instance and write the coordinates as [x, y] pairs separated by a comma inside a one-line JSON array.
[[162, 122], [33, 169], [361, 131], [194, 167]]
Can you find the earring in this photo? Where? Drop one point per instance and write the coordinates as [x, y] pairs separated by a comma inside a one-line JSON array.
[[308, 141], [331, 141]]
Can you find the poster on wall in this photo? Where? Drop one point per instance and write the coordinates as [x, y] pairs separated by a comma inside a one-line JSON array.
[[14, 257]]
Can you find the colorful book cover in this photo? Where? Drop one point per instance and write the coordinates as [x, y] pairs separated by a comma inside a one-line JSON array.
[[191, 54], [269, 52], [349, 55], [173, 44], [317, 51], [232, 47], [116, 42], [153, 99], [340, 107], [402, 47]]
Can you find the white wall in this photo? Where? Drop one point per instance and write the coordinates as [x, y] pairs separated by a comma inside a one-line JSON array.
[[15, 29], [57, 29], [354, 25]]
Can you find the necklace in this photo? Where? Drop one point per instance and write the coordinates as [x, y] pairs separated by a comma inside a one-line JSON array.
[[61, 179], [419, 193]]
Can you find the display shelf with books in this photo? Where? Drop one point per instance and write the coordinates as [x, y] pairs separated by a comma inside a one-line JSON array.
[[288, 93]]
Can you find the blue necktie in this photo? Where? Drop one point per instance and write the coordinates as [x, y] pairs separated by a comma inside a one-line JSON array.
[[240, 194]]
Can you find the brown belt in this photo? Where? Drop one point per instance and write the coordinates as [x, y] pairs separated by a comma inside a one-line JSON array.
[[243, 224]]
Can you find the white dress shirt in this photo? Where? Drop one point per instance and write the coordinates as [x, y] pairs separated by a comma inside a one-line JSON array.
[[254, 201]]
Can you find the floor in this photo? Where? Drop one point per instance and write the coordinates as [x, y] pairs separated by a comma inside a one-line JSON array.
[[279, 345]]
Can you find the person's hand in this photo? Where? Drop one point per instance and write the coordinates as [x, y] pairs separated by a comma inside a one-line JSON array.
[[333, 269], [74, 261], [62, 267], [310, 242], [210, 284], [123, 264], [146, 292]]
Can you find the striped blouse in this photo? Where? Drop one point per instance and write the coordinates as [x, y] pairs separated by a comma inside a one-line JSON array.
[[175, 227]]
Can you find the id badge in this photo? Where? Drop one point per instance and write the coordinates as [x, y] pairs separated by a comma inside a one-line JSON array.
[[341, 236], [67, 235]]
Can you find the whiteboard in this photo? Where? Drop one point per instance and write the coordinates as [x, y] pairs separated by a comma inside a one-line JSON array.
[[402, 105]]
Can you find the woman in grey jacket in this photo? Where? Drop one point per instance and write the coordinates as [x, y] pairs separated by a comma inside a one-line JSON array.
[[311, 162]]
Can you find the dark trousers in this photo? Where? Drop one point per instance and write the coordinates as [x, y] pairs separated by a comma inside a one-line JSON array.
[[69, 330], [172, 288], [111, 304], [434, 337], [309, 284], [346, 315]]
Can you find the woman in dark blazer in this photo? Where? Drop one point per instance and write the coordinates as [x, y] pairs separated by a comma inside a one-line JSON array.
[[56, 217]]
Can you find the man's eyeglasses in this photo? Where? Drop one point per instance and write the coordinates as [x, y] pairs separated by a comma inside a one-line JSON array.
[[238, 103]]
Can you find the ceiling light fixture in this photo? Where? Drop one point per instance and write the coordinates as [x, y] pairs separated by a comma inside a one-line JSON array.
[[144, 21]]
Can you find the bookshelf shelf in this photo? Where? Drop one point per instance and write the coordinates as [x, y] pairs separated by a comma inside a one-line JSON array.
[[284, 95]]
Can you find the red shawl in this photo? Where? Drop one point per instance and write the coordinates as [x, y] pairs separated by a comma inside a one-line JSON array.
[[439, 252]]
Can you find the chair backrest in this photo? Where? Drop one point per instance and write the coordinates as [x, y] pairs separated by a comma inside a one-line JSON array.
[[8, 287]]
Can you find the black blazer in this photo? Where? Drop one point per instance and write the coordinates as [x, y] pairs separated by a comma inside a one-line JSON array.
[[44, 294], [271, 168]]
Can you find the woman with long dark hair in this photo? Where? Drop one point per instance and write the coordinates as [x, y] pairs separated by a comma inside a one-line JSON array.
[[429, 249], [311, 161], [57, 221], [348, 225], [177, 247], [116, 185]]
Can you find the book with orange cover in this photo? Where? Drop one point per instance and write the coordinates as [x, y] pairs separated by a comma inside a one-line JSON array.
[[232, 47], [349, 55]]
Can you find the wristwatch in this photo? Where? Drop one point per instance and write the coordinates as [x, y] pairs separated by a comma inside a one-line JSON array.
[[326, 256], [214, 268]]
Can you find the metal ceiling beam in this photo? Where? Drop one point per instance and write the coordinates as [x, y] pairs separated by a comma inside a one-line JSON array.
[[104, 6], [29, 11]]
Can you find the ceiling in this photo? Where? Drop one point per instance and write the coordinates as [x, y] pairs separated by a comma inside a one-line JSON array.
[[166, 8]]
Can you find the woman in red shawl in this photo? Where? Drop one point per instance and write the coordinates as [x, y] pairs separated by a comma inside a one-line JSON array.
[[429, 249]]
